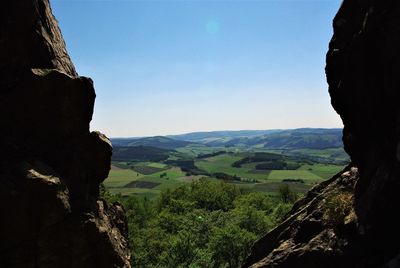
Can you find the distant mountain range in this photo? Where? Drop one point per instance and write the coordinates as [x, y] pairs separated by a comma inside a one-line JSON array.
[[303, 138]]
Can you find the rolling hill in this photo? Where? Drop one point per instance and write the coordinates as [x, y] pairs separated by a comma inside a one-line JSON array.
[[207, 137], [140, 153], [286, 140], [157, 141], [303, 138]]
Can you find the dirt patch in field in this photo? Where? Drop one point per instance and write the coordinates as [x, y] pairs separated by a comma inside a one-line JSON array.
[[147, 170], [142, 184], [115, 168]]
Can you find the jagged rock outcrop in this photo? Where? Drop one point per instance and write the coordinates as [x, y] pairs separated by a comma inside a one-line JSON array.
[[51, 165], [351, 220]]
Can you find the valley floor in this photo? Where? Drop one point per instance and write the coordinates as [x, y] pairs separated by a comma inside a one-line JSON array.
[[151, 178]]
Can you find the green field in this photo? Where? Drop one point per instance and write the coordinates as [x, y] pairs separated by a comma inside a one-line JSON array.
[[194, 150], [223, 163], [325, 171], [118, 180], [152, 178]]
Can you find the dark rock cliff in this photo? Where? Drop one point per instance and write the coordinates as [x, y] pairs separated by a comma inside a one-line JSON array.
[[351, 220], [51, 165]]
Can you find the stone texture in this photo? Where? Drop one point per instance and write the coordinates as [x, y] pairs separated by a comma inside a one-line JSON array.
[[51, 165], [351, 220]]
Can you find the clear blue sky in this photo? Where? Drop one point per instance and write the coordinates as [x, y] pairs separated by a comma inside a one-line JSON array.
[[166, 67]]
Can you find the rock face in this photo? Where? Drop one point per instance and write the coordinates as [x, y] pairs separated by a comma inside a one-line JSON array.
[[51, 165], [351, 220]]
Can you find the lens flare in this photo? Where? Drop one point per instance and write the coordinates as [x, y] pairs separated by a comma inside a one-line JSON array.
[[212, 27]]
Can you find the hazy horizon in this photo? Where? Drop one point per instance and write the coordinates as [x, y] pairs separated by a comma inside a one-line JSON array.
[[222, 130], [171, 67]]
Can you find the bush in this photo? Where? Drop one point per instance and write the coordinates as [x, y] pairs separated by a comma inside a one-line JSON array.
[[230, 245], [286, 194]]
